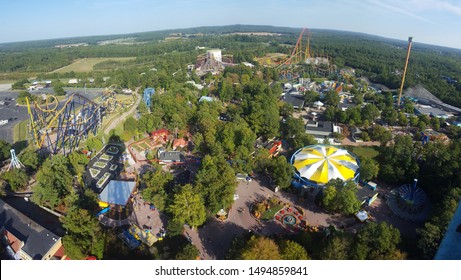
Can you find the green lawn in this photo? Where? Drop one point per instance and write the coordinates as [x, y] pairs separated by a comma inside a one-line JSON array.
[[365, 152], [144, 146], [269, 214], [20, 131], [86, 64]]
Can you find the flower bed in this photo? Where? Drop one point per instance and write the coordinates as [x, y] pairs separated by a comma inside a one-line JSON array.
[[112, 150], [102, 181], [106, 157], [113, 167], [100, 164], [94, 172]]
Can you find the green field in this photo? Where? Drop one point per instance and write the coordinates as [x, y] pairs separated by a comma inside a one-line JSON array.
[[20, 131], [86, 64], [269, 214], [365, 152]]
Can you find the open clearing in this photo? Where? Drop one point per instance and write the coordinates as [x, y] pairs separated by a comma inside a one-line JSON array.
[[86, 64]]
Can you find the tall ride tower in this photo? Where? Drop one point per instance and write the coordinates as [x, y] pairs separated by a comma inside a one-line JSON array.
[[410, 41], [15, 163]]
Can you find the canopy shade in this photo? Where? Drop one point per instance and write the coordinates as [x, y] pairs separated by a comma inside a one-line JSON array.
[[322, 163]]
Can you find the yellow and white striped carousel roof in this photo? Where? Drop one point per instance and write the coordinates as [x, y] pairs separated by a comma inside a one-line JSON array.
[[322, 163]]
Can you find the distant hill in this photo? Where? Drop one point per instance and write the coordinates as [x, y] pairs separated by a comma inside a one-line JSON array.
[[161, 34]]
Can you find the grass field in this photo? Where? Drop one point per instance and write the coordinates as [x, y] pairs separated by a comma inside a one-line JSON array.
[[269, 214], [365, 152], [86, 64], [20, 131]]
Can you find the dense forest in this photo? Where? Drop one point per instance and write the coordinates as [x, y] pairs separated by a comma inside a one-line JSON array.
[[379, 59]]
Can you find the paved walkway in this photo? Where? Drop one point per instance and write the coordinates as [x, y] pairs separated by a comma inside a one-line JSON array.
[[214, 239], [115, 122]]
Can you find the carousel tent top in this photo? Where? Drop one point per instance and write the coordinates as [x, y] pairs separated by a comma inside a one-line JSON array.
[[320, 163]]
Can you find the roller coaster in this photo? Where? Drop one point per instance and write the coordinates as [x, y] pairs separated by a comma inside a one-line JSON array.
[[290, 67], [60, 126]]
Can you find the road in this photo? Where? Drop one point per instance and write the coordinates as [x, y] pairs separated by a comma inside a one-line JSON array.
[[214, 239], [113, 124]]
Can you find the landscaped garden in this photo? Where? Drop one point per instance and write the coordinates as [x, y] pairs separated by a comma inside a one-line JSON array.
[[266, 209], [113, 167], [106, 157], [94, 172], [100, 164], [101, 182], [112, 150]]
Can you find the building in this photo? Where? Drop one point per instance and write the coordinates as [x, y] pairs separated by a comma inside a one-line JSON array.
[[317, 164], [179, 143], [73, 81], [355, 134], [170, 157], [294, 99], [366, 195], [450, 247], [24, 238], [117, 193], [160, 133], [432, 111], [322, 130], [206, 98]]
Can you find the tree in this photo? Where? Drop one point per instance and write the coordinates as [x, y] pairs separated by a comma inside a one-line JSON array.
[[30, 159], [188, 207], [376, 242], [435, 123], [58, 88], [16, 178], [188, 252], [156, 183], [381, 134], [369, 169], [130, 126], [341, 197], [389, 115], [281, 171], [398, 162], [84, 236], [54, 182], [5, 148], [94, 144], [260, 248], [332, 98], [78, 161], [215, 182], [20, 84], [403, 120], [336, 247], [290, 250]]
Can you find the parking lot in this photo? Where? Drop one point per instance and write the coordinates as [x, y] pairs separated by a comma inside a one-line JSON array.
[[15, 114], [9, 111]]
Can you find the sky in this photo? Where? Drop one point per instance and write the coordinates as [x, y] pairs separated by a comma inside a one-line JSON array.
[[435, 22]]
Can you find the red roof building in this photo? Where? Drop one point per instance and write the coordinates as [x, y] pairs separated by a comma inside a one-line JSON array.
[[160, 133], [179, 143]]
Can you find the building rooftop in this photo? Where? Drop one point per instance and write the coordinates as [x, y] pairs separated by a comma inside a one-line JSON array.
[[295, 99], [37, 240], [206, 98], [319, 126], [171, 156], [450, 247], [432, 111], [363, 193], [117, 192]]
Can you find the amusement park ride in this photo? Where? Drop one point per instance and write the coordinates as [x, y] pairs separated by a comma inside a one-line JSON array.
[[301, 55], [60, 126]]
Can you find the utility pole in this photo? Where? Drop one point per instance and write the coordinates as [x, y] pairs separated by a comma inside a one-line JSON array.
[[410, 41]]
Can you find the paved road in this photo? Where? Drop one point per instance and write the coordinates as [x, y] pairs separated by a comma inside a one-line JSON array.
[[115, 122], [214, 239]]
